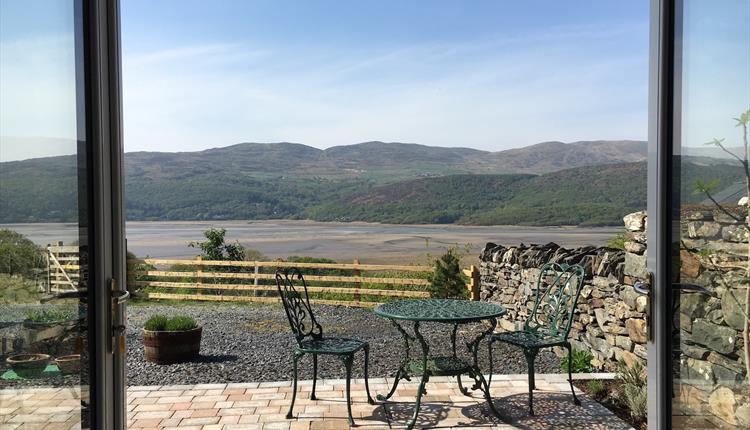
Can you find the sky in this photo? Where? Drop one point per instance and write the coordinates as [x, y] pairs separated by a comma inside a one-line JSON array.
[[483, 74]]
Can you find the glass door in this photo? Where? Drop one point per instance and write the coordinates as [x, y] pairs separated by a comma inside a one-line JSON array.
[[701, 351], [60, 223]]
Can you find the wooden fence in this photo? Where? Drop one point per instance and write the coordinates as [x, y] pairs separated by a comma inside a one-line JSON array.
[[63, 269], [352, 284]]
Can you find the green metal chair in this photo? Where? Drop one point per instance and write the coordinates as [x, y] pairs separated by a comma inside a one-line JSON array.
[[557, 291], [310, 339]]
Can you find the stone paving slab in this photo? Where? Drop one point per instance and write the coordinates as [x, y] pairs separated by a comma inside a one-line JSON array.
[[263, 406]]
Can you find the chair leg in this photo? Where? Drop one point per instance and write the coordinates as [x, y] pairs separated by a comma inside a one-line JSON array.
[[570, 374], [348, 364], [367, 376], [530, 356], [315, 377], [294, 385], [489, 354]]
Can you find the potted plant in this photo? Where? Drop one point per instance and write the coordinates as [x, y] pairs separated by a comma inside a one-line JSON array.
[[46, 323], [28, 365], [171, 340], [69, 364]]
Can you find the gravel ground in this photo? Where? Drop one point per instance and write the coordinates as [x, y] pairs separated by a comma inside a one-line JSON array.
[[254, 343]]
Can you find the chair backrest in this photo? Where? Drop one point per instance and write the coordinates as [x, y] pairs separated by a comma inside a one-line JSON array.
[[297, 304], [557, 290]]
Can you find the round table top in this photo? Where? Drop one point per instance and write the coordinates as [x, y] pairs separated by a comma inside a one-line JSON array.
[[439, 310]]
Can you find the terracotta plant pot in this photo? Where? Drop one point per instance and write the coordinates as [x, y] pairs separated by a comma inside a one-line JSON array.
[[69, 364], [28, 365], [167, 347]]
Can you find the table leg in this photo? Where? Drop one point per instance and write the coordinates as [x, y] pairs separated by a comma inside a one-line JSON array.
[[461, 387], [401, 373], [425, 375], [480, 383]]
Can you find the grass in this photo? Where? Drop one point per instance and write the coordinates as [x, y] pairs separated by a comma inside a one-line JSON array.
[[160, 322]]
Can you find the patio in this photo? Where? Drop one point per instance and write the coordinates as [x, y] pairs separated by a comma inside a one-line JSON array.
[[263, 406]]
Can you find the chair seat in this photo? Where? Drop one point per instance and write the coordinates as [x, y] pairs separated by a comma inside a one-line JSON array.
[[527, 339], [331, 345]]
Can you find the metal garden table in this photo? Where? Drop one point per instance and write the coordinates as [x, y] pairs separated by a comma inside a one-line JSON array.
[[451, 312]]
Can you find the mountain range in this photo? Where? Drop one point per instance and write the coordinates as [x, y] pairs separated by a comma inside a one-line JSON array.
[[550, 183]]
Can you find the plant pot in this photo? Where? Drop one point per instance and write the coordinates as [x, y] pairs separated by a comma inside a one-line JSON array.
[[28, 365], [69, 364], [167, 347]]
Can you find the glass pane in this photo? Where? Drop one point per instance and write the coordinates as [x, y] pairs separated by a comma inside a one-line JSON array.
[[711, 298], [43, 312]]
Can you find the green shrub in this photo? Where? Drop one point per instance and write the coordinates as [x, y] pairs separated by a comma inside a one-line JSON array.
[[157, 322], [51, 315], [447, 281], [618, 242], [634, 393], [596, 387], [181, 323], [19, 255], [160, 322], [581, 362], [15, 290]]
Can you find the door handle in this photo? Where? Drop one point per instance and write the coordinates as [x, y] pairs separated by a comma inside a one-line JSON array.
[[119, 299], [644, 288]]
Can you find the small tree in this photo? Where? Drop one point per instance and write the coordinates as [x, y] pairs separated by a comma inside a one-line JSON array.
[[214, 247], [447, 282], [18, 254], [742, 121]]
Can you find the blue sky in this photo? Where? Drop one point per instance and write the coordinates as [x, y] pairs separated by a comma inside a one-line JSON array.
[[483, 74]]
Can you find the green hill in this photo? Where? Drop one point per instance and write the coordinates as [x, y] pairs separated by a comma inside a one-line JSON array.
[[374, 181]]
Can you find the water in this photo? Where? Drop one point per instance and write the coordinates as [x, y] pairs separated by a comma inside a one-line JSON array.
[[344, 242]]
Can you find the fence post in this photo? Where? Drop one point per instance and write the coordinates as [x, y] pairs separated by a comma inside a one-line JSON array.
[[257, 271], [474, 283], [199, 290], [357, 296], [49, 279]]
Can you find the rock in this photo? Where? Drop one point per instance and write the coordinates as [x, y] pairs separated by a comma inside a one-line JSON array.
[[640, 351], [638, 236], [698, 372], [641, 303], [635, 247], [693, 305], [629, 295], [621, 310], [624, 342], [635, 265], [721, 217], [742, 201], [701, 229], [722, 403], [690, 264], [697, 215], [635, 221], [602, 317], [735, 233], [721, 339], [694, 351], [743, 415], [732, 308], [636, 330]]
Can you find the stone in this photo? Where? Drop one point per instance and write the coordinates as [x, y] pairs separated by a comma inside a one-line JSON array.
[[629, 295], [693, 305], [624, 342], [697, 215], [695, 351], [635, 247], [742, 201], [641, 303], [690, 264], [722, 404], [715, 316], [640, 351], [635, 221], [628, 357], [743, 415], [721, 360], [735, 233], [597, 303], [732, 304], [602, 317], [698, 372], [719, 338], [721, 217], [621, 310], [635, 265], [636, 330], [706, 230]]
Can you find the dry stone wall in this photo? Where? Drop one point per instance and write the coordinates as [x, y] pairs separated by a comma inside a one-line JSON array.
[[610, 321]]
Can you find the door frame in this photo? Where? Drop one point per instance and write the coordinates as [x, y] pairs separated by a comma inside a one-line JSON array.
[[99, 48], [662, 84]]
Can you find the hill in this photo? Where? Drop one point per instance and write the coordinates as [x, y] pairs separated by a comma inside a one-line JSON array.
[[373, 181]]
